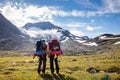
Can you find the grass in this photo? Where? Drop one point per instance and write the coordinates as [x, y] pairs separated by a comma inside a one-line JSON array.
[[71, 68]]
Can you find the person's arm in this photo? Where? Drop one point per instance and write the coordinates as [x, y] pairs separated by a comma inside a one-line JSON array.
[[59, 45], [48, 49], [35, 46]]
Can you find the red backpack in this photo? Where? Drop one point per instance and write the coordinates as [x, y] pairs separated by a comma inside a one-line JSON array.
[[54, 46]]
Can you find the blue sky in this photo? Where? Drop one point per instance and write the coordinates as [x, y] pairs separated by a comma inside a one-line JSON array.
[[80, 17]]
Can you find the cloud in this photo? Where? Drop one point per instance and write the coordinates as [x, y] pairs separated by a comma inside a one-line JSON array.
[[76, 32], [107, 7], [112, 6], [78, 13], [62, 13], [75, 24], [90, 28], [22, 13], [92, 21], [19, 15], [83, 2]]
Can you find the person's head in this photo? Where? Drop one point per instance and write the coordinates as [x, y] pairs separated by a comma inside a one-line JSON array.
[[43, 40], [54, 40]]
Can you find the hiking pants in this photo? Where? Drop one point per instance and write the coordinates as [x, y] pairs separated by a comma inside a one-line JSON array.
[[42, 61], [52, 60]]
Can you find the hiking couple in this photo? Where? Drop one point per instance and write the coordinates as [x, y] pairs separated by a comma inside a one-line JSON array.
[[52, 50]]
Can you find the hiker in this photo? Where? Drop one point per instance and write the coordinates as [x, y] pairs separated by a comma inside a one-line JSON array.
[[54, 49], [41, 48]]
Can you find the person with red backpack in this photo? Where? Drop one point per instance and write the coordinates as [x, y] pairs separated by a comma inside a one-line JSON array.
[[54, 51], [41, 48]]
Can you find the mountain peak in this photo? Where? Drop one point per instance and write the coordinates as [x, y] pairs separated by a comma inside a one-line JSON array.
[[41, 25]]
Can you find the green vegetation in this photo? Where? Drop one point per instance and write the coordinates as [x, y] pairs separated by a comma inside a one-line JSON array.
[[72, 68]]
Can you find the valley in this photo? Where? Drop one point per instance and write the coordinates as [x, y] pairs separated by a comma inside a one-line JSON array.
[[71, 68]]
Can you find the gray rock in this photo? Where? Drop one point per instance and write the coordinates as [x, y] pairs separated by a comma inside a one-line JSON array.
[[92, 70]]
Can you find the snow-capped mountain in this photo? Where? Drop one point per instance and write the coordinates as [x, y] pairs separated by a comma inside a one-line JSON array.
[[11, 38], [45, 29], [107, 37], [69, 42], [41, 25], [107, 43]]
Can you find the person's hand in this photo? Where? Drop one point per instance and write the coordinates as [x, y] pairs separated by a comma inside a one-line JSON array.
[[48, 55]]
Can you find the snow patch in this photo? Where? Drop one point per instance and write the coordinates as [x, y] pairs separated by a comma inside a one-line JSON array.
[[117, 43], [35, 32], [65, 40], [77, 38], [80, 41], [22, 36], [90, 44], [102, 37], [44, 34]]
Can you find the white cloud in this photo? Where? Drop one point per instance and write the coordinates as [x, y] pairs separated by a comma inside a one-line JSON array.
[[62, 13], [83, 2], [22, 13], [107, 6], [27, 13], [92, 21], [77, 13], [112, 6], [75, 24], [77, 32], [90, 28]]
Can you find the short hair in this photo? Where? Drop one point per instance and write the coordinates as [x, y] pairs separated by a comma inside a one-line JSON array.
[[43, 40]]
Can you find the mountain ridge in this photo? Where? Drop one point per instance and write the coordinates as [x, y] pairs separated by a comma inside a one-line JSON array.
[[50, 26], [40, 25], [13, 38]]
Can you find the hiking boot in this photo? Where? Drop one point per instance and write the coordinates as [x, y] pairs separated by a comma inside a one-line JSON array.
[[43, 73], [52, 73], [39, 72], [57, 72]]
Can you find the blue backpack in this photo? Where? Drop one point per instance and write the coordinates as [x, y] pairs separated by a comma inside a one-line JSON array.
[[39, 50], [38, 53]]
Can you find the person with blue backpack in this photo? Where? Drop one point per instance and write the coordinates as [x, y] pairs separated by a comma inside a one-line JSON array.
[[41, 52]]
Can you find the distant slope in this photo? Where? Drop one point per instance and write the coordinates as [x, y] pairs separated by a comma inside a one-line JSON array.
[[107, 43], [10, 36]]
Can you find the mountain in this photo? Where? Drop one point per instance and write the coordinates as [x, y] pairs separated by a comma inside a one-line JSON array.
[[41, 25], [107, 43], [46, 28], [11, 37], [69, 42], [110, 38]]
